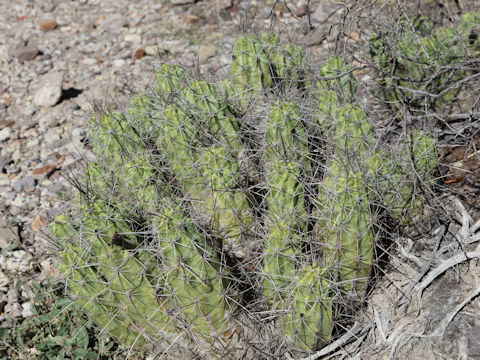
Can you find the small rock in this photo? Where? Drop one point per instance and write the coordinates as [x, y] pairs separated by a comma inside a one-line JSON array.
[[301, 10], [18, 201], [25, 183], [37, 224], [44, 169], [138, 53], [27, 52], [20, 262], [152, 50], [112, 23], [14, 210], [133, 38], [6, 101], [51, 136], [205, 52], [182, 2], [7, 235], [50, 89], [29, 111], [13, 310], [223, 4], [118, 63], [12, 295], [190, 19], [26, 310], [4, 161], [4, 280], [46, 24], [5, 134], [320, 13]]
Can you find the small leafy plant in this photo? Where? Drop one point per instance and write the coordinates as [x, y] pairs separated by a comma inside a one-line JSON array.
[[56, 330]]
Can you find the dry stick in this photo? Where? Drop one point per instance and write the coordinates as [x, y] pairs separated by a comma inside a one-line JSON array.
[[336, 344], [450, 317], [444, 266]]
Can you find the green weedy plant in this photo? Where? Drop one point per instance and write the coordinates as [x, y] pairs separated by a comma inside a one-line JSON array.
[[57, 330], [218, 215], [424, 66]]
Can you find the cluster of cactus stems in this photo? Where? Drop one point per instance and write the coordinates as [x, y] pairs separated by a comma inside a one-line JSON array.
[[206, 203], [418, 60]]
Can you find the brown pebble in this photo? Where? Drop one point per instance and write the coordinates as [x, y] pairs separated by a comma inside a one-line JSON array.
[[46, 24], [301, 10], [6, 101], [44, 169], [37, 224], [138, 53]]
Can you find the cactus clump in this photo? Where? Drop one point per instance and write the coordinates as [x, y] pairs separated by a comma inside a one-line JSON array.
[[421, 65], [218, 214]]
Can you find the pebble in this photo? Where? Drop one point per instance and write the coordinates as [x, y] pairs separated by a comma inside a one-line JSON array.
[[26, 310], [182, 2], [50, 89], [205, 52], [27, 52], [118, 63], [4, 280], [138, 53], [19, 262], [46, 24], [51, 135], [5, 134], [25, 183], [13, 310], [134, 38], [7, 236]]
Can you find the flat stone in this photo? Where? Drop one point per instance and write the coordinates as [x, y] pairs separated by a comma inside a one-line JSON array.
[[26, 52], [152, 50], [50, 89], [13, 310], [4, 280], [118, 63], [205, 52], [46, 24], [7, 237], [26, 310], [133, 38], [20, 262], [5, 134], [4, 161], [25, 183], [113, 23], [51, 136], [182, 2]]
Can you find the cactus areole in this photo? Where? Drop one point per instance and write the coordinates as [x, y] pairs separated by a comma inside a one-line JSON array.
[[219, 214]]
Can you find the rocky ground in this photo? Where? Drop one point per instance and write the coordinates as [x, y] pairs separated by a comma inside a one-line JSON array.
[[56, 59]]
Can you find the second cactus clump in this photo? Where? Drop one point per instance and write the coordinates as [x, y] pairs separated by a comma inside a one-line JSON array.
[[424, 66], [223, 214]]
